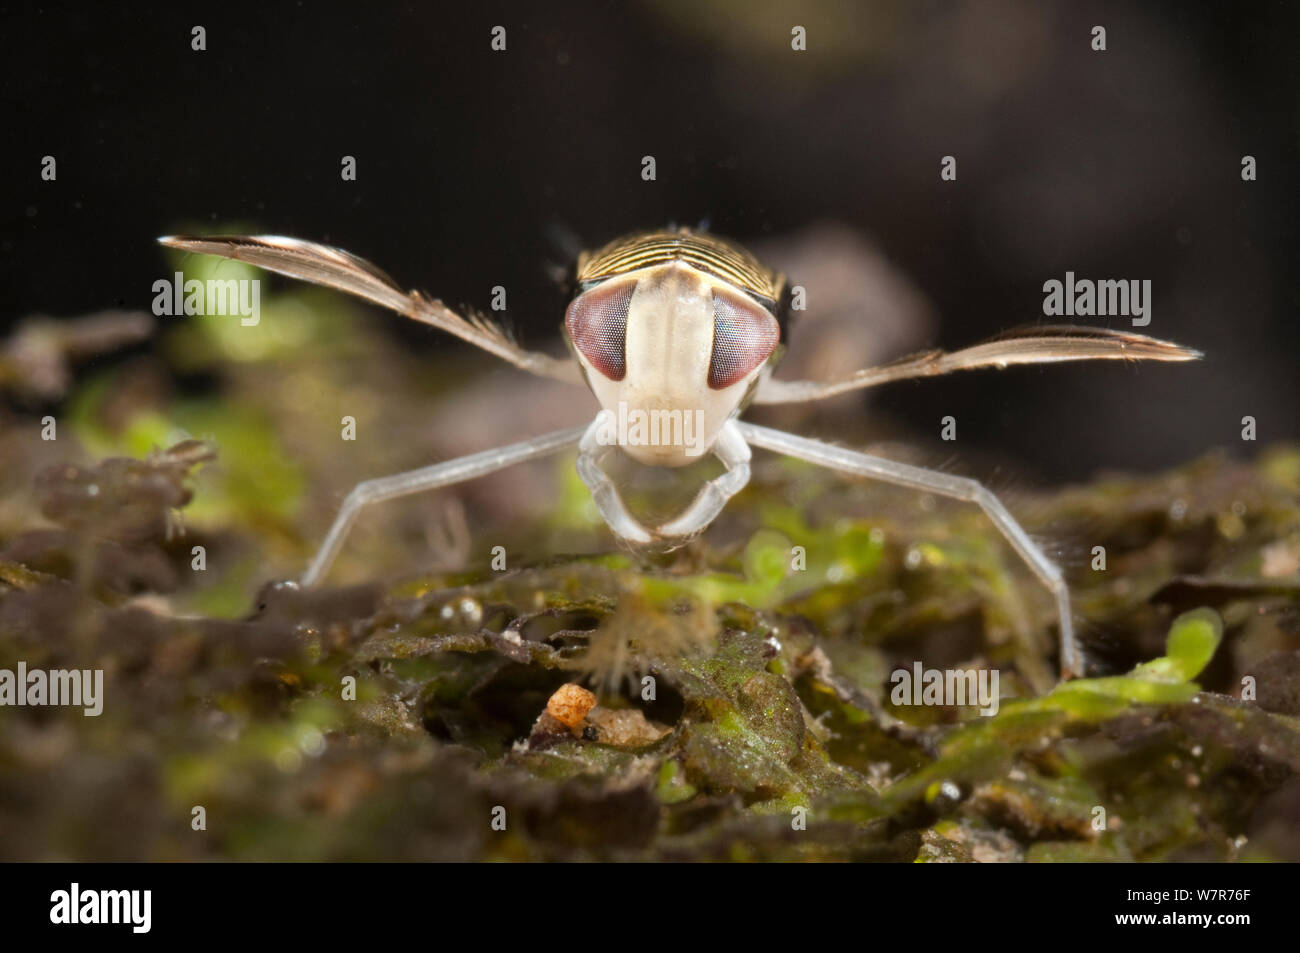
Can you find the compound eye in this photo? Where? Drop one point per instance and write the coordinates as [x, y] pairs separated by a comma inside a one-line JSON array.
[[597, 325], [744, 336]]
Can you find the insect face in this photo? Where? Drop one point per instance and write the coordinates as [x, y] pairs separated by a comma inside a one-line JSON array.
[[672, 353]]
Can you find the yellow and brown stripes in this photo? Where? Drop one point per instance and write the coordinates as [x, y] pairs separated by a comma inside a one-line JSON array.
[[711, 255]]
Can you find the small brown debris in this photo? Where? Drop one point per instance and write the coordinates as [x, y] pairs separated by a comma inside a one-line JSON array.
[[570, 704], [623, 728], [122, 498], [36, 361]]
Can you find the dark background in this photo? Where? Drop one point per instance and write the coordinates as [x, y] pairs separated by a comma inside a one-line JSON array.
[[1123, 164]]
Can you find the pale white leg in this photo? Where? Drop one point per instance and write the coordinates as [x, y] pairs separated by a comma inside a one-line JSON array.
[[730, 448], [961, 488], [590, 449], [429, 478]]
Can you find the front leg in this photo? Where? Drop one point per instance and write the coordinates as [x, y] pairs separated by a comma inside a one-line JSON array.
[[960, 488], [730, 448]]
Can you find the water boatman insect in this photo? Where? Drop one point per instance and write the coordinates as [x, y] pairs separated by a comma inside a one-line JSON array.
[[676, 333]]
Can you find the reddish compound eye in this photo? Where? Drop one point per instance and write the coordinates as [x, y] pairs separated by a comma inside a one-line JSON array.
[[597, 325], [744, 336]]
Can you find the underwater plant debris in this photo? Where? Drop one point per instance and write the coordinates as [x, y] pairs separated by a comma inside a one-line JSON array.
[[680, 709]]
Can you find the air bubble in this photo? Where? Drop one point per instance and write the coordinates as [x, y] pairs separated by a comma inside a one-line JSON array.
[[471, 610]]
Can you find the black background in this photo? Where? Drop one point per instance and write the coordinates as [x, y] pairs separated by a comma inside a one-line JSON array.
[[1123, 164], [340, 903]]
